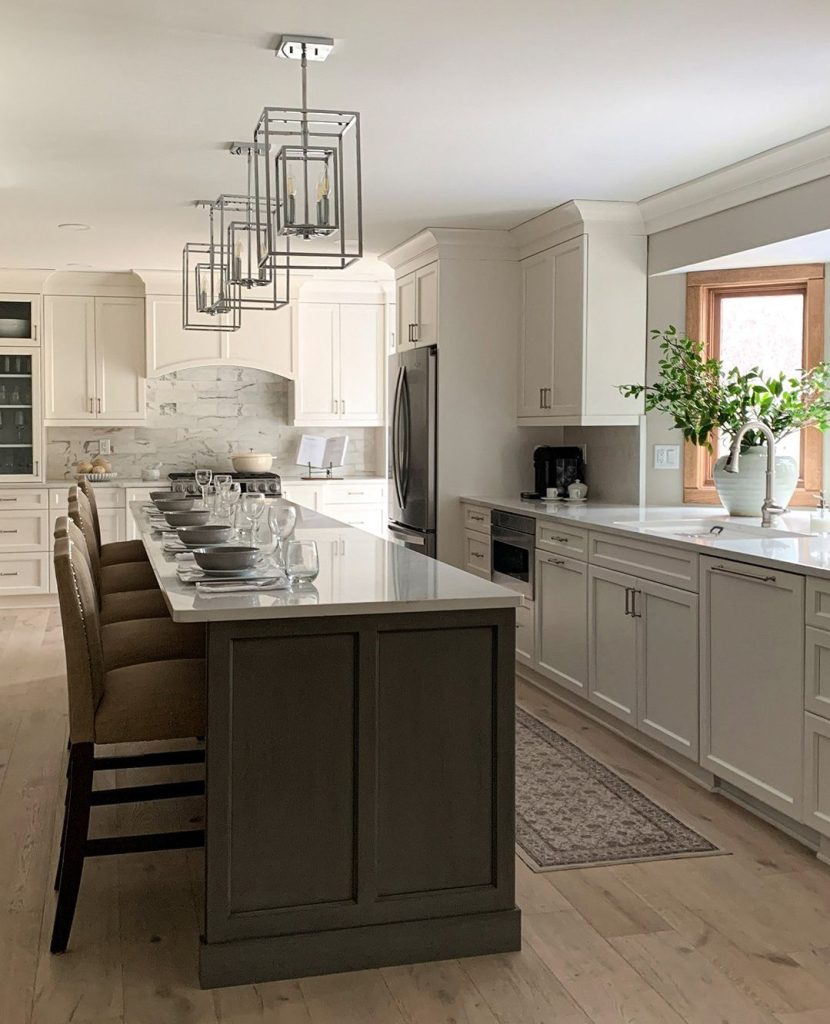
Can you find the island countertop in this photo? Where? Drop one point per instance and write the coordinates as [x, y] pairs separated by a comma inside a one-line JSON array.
[[359, 574]]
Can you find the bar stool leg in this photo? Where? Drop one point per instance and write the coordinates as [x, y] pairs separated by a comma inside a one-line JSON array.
[[77, 827]]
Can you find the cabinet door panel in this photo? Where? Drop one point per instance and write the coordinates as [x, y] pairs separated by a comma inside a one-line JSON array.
[[169, 345], [613, 644], [817, 773], [426, 287], [316, 394], [536, 346], [19, 319], [361, 363], [752, 680], [113, 524], [120, 359], [568, 327], [562, 620], [406, 310], [70, 357], [265, 341], [667, 701]]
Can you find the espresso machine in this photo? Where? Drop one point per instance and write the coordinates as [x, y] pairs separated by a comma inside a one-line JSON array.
[[556, 466]]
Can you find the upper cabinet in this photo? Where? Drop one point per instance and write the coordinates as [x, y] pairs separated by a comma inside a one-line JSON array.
[[583, 316], [265, 341], [341, 358], [94, 359], [417, 308], [19, 319]]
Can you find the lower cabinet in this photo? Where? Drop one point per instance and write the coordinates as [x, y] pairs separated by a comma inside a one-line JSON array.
[[817, 773], [24, 573], [525, 631], [752, 680], [612, 652], [643, 660], [562, 620], [477, 553]]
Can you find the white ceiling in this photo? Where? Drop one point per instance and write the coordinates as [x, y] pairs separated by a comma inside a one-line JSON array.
[[475, 112]]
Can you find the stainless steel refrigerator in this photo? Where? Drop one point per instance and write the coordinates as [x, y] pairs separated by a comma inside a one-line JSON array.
[[413, 436]]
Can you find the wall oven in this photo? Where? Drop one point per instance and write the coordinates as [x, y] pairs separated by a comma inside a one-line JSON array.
[[512, 543]]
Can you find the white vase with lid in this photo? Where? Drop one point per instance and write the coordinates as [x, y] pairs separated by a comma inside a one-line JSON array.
[[743, 493]]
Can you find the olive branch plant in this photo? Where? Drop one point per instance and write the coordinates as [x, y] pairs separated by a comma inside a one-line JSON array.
[[703, 398]]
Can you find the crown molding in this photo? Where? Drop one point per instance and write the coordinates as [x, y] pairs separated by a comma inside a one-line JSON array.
[[576, 217], [794, 163], [449, 243]]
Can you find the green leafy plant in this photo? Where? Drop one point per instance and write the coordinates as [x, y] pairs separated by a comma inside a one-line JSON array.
[[703, 398]]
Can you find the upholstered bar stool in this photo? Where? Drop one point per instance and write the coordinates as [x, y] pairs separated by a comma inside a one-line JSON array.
[[110, 579], [119, 607], [118, 551], [116, 700]]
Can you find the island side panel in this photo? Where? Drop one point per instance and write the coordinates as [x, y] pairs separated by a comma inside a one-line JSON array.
[[360, 793]]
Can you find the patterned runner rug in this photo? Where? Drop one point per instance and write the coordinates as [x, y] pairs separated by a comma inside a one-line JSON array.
[[572, 811]]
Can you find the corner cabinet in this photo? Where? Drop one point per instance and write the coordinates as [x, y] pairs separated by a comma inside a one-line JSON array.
[[265, 341], [94, 359], [583, 331], [341, 360], [752, 680]]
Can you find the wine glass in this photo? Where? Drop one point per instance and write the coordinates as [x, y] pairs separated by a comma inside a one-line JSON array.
[[253, 506], [282, 519], [302, 561], [231, 495], [203, 479], [221, 480]]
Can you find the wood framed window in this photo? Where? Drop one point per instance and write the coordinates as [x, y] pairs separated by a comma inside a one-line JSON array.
[[772, 317]]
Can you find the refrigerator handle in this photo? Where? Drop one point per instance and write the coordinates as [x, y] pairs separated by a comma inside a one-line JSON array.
[[407, 436], [396, 409]]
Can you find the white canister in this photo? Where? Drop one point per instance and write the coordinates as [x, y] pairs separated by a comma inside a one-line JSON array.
[[577, 491]]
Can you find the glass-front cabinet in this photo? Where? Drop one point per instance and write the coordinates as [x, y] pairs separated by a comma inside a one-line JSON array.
[[19, 319], [20, 415]]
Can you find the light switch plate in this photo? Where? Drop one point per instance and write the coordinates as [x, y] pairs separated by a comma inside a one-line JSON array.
[[105, 446], [667, 456]]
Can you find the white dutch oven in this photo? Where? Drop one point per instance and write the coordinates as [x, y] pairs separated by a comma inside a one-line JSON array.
[[251, 462]]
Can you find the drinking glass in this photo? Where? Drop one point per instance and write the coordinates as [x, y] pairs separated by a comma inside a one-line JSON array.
[[282, 519], [302, 562], [222, 480], [230, 499], [203, 479]]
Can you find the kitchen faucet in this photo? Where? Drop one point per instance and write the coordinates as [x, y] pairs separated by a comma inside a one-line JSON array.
[[769, 510]]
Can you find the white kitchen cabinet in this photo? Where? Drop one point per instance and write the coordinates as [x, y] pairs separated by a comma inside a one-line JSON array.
[[371, 518], [561, 616], [613, 643], [525, 631], [24, 574], [477, 554], [21, 416], [551, 342], [308, 495], [113, 524], [94, 359], [417, 308], [582, 332], [341, 360], [817, 773], [265, 340], [667, 688], [19, 319], [752, 680]]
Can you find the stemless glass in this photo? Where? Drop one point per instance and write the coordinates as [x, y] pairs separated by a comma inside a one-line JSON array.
[[203, 479], [302, 562]]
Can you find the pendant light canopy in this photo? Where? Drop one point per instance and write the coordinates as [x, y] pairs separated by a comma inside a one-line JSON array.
[[307, 178]]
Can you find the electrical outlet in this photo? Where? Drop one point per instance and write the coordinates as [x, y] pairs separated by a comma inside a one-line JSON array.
[[667, 456], [105, 446]]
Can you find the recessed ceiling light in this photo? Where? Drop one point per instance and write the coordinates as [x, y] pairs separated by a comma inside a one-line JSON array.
[[69, 226]]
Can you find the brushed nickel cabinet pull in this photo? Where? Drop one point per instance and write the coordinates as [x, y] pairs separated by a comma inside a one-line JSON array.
[[9, 573], [8, 499], [99, 406], [743, 575], [8, 531], [628, 600]]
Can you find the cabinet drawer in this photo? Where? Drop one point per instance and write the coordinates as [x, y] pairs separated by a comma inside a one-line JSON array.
[[477, 518], [24, 531], [817, 612], [817, 671], [566, 540], [477, 553], [354, 494], [660, 563], [29, 499], [817, 774], [24, 574], [362, 517]]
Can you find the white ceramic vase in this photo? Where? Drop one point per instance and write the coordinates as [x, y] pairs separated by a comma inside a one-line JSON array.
[[742, 493]]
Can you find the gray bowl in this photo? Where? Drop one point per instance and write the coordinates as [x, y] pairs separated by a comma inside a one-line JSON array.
[[174, 504], [196, 536], [165, 495], [197, 517], [226, 558]]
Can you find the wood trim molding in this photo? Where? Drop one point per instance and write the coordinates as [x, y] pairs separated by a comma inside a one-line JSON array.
[[702, 289]]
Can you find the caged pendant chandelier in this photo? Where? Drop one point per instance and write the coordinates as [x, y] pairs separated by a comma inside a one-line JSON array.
[[307, 177]]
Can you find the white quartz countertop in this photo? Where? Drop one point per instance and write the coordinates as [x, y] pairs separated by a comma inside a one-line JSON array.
[[791, 546], [359, 574]]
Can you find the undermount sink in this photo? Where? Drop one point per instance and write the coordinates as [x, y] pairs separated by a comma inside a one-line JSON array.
[[700, 529]]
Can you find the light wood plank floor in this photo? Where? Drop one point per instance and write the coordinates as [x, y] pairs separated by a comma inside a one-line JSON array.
[[741, 939]]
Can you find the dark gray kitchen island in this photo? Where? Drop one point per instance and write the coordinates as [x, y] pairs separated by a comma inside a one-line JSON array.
[[360, 763]]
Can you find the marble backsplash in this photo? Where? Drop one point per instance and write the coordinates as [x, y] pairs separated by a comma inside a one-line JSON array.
[[198, 417]]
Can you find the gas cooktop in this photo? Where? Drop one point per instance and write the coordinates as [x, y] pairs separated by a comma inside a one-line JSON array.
[[267, 483]]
